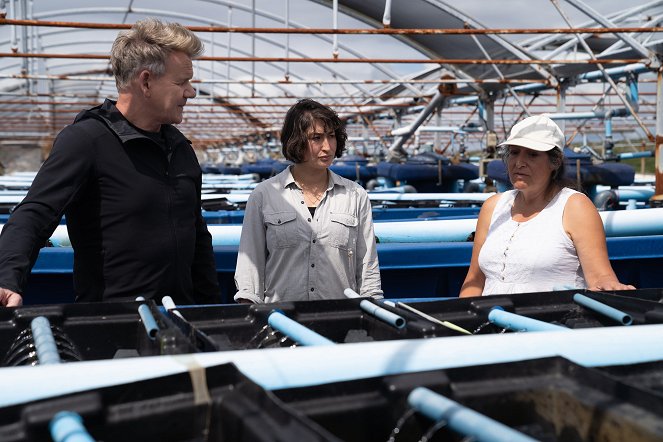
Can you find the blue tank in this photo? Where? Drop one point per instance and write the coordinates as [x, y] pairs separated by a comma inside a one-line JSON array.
[[355, 168], [429, 172], [266, 167]]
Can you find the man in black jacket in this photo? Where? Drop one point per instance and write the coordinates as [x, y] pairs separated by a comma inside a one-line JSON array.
[[129, 184]]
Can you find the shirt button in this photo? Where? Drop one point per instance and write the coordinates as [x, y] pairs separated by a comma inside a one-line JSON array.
[[302, 202], [312, 289], [312, 265], [279, 221], [313, 241], [309, 220]]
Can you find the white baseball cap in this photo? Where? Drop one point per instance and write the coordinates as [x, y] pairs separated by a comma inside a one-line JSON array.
[[538, 132]]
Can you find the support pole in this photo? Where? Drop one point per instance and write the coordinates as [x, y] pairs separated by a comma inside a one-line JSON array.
[[657, 199], [396, 150]]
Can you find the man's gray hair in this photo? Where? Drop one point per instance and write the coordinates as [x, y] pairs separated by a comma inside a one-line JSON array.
[[147, 45]]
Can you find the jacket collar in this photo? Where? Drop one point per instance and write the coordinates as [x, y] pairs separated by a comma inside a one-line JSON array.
[[118, 124]]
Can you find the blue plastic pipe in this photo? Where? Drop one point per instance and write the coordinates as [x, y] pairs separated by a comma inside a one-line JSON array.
[[461, 419], [603, 309], [615, 222], [633, 87], [635, 194], [45, 346], [67, 426], [382, 313], [149, 322], [515, 322], [295, 331], [629, 155], [379, 312]]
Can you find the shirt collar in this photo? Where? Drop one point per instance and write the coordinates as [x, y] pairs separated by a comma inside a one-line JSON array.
[[334, 179]]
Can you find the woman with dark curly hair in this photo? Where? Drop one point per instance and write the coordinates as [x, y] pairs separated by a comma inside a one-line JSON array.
[[542, 235], [307, 232]]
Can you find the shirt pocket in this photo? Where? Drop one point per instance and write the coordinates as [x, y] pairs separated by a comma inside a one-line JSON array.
[[281, 229], [343, 230]]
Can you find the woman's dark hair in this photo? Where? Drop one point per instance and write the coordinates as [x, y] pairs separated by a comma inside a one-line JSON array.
[[299, 121], [556, 157]]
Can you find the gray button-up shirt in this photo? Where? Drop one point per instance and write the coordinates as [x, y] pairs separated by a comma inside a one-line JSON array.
[[285, 254]]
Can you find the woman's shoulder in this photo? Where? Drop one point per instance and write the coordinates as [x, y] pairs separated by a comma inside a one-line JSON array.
[[569, 191], [278, 180], [504, 197], [271, 186], [488, 206], [349, 184], [577, 200]]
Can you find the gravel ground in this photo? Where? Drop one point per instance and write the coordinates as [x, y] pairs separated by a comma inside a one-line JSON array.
[[20, 158]]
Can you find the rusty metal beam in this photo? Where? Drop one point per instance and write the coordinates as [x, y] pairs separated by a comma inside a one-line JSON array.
[[607, 77], [289, 97], [351, 31], [76, 77], [454, 61]]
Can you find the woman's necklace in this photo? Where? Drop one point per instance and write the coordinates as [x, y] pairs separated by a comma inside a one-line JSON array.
[[311, 197], [526, 212]]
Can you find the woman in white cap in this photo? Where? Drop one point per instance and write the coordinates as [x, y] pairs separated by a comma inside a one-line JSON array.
[[542, 235]]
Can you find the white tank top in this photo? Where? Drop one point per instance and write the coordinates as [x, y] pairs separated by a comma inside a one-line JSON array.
[[532, 256]]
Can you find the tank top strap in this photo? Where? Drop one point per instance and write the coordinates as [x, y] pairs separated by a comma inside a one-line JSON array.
[[504, 204], [559, 201]]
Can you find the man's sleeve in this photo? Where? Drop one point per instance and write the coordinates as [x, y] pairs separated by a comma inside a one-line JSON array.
[[33, 220]]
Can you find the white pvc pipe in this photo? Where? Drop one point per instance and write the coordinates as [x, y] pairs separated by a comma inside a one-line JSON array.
[[386, 17], [242, 196], [212, 177], [633, 222], [170, 306], [616, 223], [304, 366], [395, 196]]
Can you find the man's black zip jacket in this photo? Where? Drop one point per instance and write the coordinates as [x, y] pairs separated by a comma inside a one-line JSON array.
[[134, 218]]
